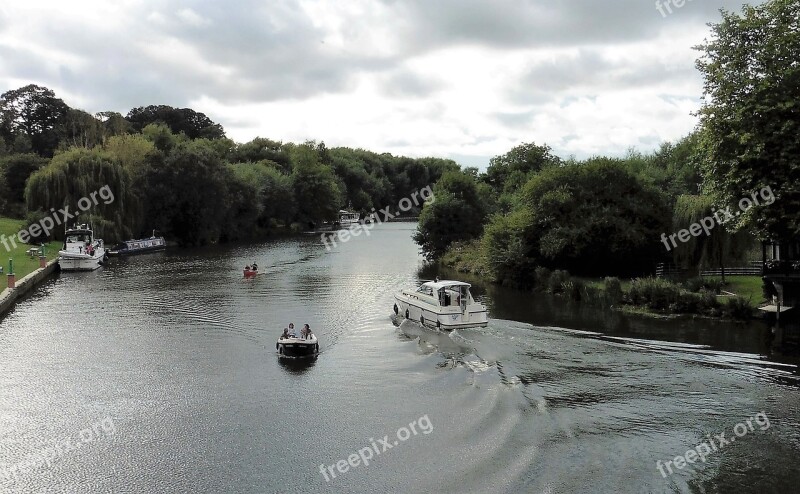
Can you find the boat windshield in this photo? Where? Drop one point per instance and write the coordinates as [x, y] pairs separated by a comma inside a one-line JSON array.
[[82, 238], [425, 290]]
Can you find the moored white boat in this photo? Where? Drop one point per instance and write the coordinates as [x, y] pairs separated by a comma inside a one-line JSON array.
[[81, 252], [444, 305], [346, 218]]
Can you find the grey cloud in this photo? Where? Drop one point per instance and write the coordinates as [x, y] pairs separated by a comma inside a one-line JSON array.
[[404, 83], [525, 24]]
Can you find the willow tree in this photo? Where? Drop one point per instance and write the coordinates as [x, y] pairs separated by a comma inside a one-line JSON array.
[[92, 185], [716, 249]]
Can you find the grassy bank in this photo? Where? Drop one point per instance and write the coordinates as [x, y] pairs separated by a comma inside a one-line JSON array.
[[23, 263], [644, 296]]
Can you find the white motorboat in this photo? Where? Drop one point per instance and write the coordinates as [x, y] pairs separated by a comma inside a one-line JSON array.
[[297, 346], [346, 218], [444, 305], [81, 252]]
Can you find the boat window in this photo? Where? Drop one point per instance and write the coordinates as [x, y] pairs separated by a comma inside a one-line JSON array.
[[426, 290]]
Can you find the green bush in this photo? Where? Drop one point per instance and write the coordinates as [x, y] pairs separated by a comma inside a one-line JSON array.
[[573, 289], [613, 290], [693, 284], [738, 308], [557, 280], [709, 304], [593, 295], [709, 284], [687, 303], [713, 285], [655, 293]]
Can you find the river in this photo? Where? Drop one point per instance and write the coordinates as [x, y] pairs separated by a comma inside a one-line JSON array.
[[158, 373]]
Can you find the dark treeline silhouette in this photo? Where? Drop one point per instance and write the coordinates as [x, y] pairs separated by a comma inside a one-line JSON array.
[[174, 170]]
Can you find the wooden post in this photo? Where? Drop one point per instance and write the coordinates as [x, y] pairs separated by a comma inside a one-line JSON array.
[[12, 278]]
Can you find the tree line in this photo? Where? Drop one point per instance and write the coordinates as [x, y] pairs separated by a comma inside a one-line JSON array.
[[606, 216], [174, 170]]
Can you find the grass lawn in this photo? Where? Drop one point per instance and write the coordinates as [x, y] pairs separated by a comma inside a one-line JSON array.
[[23, 264], [745, 286]]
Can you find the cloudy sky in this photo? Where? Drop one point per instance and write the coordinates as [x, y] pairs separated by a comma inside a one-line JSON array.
[[466, 79]]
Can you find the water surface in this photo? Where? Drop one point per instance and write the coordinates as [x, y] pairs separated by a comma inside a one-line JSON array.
[[168, 361]]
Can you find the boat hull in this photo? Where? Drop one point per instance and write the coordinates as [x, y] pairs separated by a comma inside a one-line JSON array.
[[69, 261], [443, 318], [297, 347], [249, 273], [133, 252]]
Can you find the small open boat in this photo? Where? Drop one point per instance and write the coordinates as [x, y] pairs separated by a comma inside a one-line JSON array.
[[297, 346], [250, 273]]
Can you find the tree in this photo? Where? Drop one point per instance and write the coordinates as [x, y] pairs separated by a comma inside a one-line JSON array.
[[187, 197], [594, 218], [716, 249], [17, 168], [315, 186], [510, 171], [751, 114], [81, 129], [456, 214], [76, 174], [35, 112], [260, 149], [179, 120], [113, 124]]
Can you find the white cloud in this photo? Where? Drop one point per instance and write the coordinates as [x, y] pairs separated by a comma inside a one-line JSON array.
[[467, 78]]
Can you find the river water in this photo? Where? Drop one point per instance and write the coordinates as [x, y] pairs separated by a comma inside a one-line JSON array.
[[158, 373]]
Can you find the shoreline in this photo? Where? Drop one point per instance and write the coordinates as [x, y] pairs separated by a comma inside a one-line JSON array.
[[9, 297]]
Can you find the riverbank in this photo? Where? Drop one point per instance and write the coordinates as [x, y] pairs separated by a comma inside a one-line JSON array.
[[26, 267], [9, 296], [24, 264], [737, 299]]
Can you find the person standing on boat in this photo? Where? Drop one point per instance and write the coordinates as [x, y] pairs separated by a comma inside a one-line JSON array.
[[291, 330]]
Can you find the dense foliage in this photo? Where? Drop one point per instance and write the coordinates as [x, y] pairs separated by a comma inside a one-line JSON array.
[[173, 170], [751, 115]]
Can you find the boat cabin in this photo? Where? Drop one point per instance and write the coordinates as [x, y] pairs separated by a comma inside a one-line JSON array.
[[447, 293]]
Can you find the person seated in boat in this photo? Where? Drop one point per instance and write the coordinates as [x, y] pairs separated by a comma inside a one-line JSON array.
[[247, 268], [306, 332], [291, 330], [285, 333], [255, 267]]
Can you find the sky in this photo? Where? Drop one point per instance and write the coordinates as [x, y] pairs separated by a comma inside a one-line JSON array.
[[460, 79]]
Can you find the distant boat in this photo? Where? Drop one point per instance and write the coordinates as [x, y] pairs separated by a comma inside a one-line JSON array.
[[139, 246], [81, 252], [346, 218]]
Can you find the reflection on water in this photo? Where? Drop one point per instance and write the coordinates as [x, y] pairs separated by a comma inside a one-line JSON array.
[[298, 365], [551, 397]]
